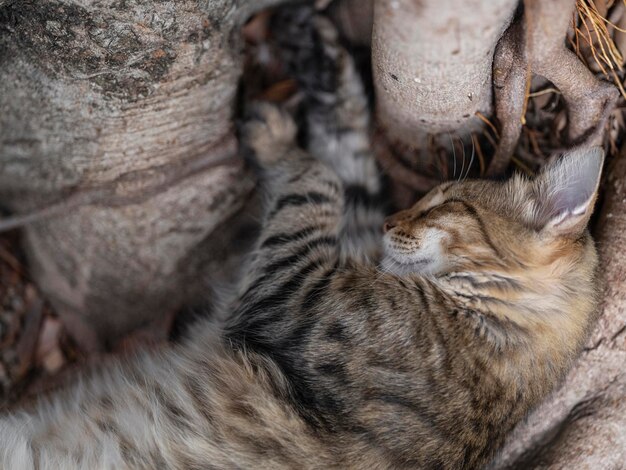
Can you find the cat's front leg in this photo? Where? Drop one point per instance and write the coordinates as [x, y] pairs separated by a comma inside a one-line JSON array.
[[304, 197], [338, 126], [299, 241]]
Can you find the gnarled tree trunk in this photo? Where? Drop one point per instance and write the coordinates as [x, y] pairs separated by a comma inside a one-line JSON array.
[[117, 118]]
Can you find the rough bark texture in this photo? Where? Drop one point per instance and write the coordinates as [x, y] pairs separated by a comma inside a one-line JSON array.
[[432, 63], [583, 426], [126, 106]]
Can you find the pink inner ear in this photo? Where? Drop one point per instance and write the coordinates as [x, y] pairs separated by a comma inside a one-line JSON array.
[[569, 186], [569, 197], [581, 209]]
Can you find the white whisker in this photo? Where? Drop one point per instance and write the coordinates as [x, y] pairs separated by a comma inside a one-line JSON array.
[[453, 156], [471, 160], [462, 167]]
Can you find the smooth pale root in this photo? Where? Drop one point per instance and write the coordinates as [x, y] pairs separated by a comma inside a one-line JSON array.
[[432, 64]]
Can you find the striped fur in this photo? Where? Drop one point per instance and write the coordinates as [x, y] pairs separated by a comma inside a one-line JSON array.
[[329, 361], [420, 364]]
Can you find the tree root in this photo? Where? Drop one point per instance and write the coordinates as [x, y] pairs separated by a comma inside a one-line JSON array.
[[534, 44], [511, 76]]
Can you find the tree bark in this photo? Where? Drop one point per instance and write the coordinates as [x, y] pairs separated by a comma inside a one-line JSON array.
[[432, 64], [583, 425], [534, 45], [119, 115]]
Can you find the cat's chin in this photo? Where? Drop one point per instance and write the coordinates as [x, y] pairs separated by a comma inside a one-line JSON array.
[[420, 266]]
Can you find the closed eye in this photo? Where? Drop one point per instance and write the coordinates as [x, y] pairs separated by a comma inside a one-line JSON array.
[[463, 207], [428, 211]]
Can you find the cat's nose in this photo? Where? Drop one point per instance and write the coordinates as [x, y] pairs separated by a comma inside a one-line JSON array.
[[389, 224]]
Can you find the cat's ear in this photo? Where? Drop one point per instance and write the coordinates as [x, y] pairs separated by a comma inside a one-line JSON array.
[[567, 190]]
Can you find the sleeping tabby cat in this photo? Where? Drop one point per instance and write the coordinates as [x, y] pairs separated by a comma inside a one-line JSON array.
[[483, 299]]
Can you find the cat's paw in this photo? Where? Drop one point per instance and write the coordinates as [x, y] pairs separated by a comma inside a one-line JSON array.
[[269, 132]]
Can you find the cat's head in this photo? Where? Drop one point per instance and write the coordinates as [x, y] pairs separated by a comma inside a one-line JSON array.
[[484, 225]]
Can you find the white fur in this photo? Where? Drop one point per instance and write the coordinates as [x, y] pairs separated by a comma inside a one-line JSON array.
[[426, 256]]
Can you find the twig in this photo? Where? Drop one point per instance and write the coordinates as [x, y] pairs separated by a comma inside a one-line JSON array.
[[544, 92], [9, 259], [482, 117], [479, 151]]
